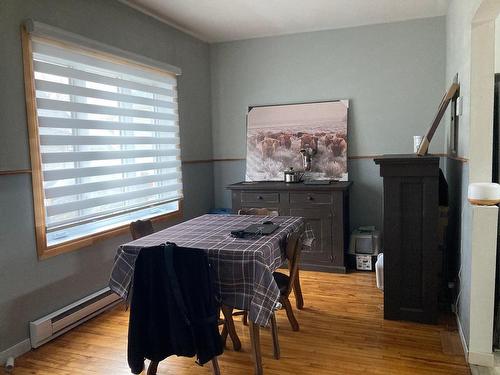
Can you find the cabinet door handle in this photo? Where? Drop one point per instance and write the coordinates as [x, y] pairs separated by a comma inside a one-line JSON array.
[[309, 198], [259, 197]]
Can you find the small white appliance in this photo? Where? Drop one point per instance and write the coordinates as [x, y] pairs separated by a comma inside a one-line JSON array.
[[484, 193], [365, 241], [364, 262], [364, 246]]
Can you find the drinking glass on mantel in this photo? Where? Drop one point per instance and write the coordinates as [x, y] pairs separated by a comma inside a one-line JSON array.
[[417, 140]]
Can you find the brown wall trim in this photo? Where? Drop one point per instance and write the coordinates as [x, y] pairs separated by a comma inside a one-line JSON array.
[[210, 160], [15, 171], [457, 158], [354, 157], [357, 157], [241, 159], [453, 157], [195, 161], [230, 159]]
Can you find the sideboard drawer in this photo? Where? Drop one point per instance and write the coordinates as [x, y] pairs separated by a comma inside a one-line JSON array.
[[311, 198], [256, 197]]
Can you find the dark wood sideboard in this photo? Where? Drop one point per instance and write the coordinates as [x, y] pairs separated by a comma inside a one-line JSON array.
[[411, 254], [325, 208]]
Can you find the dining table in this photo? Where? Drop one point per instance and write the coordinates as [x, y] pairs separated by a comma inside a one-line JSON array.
[[242, 267]]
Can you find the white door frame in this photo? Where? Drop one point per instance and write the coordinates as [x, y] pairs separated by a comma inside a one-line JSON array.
[[484, 219]]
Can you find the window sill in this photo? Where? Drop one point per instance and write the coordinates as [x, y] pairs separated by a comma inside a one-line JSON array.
[[48, 252]]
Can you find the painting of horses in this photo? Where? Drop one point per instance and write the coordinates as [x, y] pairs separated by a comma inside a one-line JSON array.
[[276, 135]]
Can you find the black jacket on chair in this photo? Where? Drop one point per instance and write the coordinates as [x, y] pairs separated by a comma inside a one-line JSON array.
[[173, 308]]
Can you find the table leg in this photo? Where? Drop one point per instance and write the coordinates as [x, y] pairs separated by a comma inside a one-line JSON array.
[[255, 341], [297, 291]]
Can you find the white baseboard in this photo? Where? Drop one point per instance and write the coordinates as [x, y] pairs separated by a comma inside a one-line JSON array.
[[462, 338], [474, 358], [480, 370], [15, 351], [482, 359]]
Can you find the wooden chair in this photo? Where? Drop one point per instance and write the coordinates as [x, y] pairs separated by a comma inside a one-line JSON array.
[[297, 290], [258, 211], [287, 283], [230, 330], [141, 228]]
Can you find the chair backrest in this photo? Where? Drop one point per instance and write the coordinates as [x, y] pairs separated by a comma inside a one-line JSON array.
[[293, 249], [258, 211], [141, 228]]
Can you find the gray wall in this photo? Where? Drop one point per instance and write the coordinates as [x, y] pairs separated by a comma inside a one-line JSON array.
[[371, 66], [393, 75], [32, 288]]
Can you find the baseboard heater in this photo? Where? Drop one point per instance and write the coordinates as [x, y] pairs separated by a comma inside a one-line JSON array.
[[61, 321]]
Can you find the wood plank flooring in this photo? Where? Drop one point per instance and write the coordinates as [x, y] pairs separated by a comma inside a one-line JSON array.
[[342, 331]]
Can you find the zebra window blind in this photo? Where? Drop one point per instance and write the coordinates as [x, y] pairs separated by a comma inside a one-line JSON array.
[[109, 140]]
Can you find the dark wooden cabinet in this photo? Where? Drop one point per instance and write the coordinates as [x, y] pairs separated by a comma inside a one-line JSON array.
[[324, 207], [411, 254]]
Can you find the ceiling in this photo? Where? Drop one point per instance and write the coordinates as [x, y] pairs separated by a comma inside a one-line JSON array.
[[226, 20]]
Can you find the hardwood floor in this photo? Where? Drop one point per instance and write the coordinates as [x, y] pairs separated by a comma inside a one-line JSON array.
[[342, 331]]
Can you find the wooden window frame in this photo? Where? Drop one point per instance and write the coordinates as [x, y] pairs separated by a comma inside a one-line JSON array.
[[43, 250]]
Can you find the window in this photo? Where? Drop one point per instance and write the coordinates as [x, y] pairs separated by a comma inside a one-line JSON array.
[[104, 137]]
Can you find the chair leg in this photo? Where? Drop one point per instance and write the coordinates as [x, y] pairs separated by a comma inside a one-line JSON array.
[[215, 366], [153, 367], [297, 290], [228, 316], [289, 312], [276, 342], [223, 335]]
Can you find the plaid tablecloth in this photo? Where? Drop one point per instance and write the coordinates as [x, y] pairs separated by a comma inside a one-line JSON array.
[[243, 267]]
